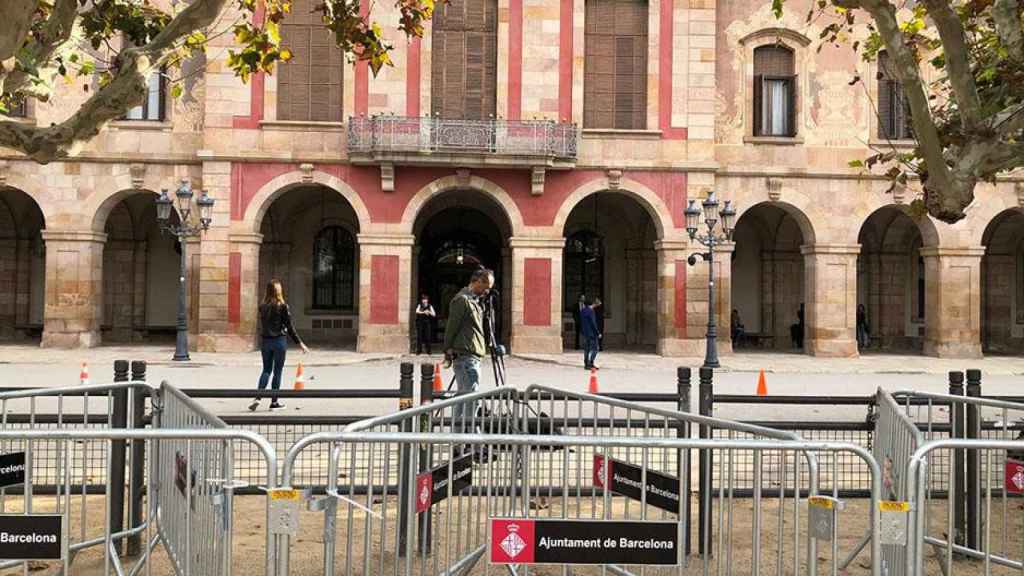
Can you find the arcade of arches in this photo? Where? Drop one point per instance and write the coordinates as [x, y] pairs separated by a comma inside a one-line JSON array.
[[353, 280]]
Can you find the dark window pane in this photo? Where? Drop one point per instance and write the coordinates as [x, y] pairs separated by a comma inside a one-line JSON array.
[[334, 269], [583, 269]]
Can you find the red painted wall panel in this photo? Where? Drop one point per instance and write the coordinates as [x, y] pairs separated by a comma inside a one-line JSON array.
[[515, 59], [412, 79], [537, 291], [384, 289], [565, 61], [234, 288], [665, 74], [680, 290], [362, 96]]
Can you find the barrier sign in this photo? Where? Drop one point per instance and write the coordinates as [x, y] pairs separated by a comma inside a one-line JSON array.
[[529, 541], [12, 469], [30, 537], [1014, 476], [432, 486], [626, 479]]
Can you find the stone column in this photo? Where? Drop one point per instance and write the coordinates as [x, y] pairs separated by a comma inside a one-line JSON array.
[[536, 275], [74, 288], [830, 312], [683, 299], [244, 289], [215, 256], [952, 301], [385, 282]]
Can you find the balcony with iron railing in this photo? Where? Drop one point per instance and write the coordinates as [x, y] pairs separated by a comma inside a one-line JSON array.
[[398, 140]]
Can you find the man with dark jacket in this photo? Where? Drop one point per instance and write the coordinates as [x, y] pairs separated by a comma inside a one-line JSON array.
[[464, 343], [591, 334]]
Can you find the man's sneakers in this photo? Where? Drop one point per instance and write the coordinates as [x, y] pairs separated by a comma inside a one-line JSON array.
[[254, 405], [275, 406]]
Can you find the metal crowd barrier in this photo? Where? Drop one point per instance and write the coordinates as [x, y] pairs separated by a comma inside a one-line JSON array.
[[569, 456], [181, 498]]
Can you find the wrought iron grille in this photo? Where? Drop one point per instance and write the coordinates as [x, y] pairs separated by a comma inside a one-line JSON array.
[[388, 134]]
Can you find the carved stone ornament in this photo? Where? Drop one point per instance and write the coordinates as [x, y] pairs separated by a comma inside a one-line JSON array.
[[1018, 187], [899, 193], [537, 182], [138, 174], [462, 175], [614, 178], [774, 186], [387, 177], [307, 172]]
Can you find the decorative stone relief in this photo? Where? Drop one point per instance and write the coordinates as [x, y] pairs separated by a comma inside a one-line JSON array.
[[537, 182], [307, 172], [614, 178], [774, 186], [4, 166], [462, 175], [387, 177], [899, 193], [138, 174], [1019, 188]]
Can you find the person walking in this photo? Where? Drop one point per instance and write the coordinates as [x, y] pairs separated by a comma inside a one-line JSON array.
[[464, 344], [275, 329], [863, 330], [424, 320], [591, 333]]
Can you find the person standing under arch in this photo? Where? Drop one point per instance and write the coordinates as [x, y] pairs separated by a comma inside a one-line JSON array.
[[424, 321]]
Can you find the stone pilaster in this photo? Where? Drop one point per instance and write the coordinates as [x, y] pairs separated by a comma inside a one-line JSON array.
[[385, 283], [244, 289], [214, 254], [536, 295], [683, 299], [952, 301], [830, 310], [74, 288]]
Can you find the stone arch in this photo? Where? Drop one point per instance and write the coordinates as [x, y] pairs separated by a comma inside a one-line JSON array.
[[9, 209], [271, 191], [102, 207], [450, 183], [1002, 283], [651, 202], [17, 183], [793, 211]]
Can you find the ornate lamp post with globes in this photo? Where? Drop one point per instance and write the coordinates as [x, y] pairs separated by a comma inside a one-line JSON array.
[[185, 228], [711, 215]]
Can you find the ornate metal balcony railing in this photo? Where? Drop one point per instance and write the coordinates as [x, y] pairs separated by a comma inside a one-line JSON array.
[[384, 135]]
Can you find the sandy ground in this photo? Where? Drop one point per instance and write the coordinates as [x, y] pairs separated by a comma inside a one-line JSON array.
[[464, 521]]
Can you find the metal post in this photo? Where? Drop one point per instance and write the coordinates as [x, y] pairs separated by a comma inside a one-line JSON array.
[[425, 542], [706, 392], [973, 465], [684, 387], [137, 472], [405, 382], [181, 344], [711, 353], [119, 420], [956, 421]]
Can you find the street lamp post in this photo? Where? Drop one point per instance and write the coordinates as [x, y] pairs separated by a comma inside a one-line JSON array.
[[185, 228], [711, 215]]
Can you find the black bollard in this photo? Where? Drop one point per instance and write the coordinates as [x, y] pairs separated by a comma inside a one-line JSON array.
[[706, 407], [118, 450], [973, 464], [137, 472], [956, 423], [405, 402], [426, 425], [683, 388]]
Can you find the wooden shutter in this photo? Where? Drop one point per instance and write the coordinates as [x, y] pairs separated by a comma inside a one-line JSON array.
[[309, 86], [885, 108], [758, 105], [465, 60], [615, 65], [791, 119]]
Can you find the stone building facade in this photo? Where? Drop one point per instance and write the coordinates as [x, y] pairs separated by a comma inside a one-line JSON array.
[[556, 141]]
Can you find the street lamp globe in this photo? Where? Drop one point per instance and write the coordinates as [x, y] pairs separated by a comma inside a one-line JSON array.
[[710, 210], [184, 195], [205, 204], [163, 207], [692, 214], [728, 215]]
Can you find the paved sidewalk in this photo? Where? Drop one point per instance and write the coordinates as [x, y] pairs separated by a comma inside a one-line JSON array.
[[741, 362]]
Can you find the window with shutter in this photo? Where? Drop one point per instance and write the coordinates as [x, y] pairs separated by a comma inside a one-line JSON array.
[[615, 64], [464, 64], [893, 111], [309, 86], [775, 92], [152, 108]]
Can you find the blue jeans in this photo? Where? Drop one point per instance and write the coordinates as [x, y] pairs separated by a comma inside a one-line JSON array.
[[274, 351], [467, 378], [589, 351]]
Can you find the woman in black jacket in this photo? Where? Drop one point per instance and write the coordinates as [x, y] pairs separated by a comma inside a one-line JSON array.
[[275, 329]]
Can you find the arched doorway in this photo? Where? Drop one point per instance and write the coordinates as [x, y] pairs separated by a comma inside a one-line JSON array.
[[457, 232], [23, 266], [140, 273], [768, 284], [891, 281], [309, 244], [1002, 277], [609, 254]]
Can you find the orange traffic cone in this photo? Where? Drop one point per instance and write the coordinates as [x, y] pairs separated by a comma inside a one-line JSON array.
[[438, 384], [593, 381], [762, 386], [300, 378], [83, 375]]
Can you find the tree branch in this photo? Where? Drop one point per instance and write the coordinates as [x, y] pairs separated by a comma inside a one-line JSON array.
[[956, 53], [127, 88], [56, 31], [14, 27], [1007, 15]]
